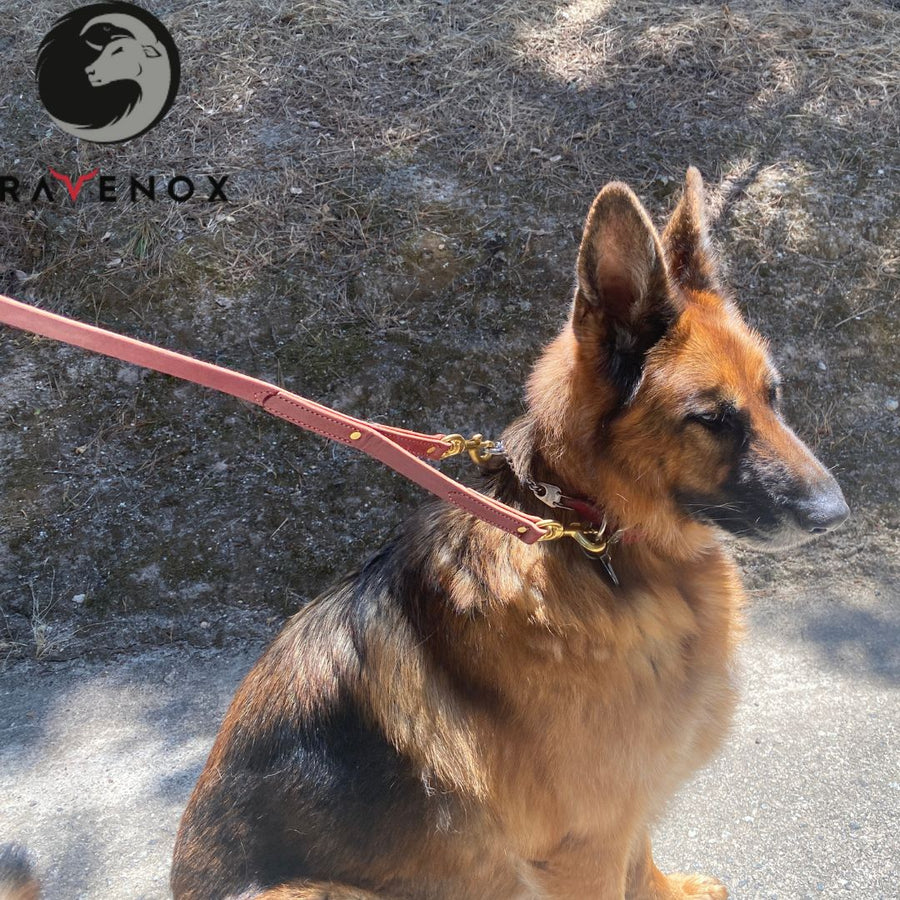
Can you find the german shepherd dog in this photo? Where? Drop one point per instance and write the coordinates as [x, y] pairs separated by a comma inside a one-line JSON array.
[[471, 718]]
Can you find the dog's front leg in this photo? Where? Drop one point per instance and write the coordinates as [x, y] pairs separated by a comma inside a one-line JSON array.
[[580, 869], [646, 882]]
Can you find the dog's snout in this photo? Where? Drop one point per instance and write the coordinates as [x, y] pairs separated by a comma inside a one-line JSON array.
[[822, 510]]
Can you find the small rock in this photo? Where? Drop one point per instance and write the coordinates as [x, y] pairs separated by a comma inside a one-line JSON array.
[[78, 599], [204, 624], [891, 404], [822, 366], [129, 375]]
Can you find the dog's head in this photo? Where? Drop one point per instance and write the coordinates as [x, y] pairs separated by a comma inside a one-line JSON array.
[[658, 400]]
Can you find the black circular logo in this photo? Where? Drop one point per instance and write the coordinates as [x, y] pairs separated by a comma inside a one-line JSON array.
[[107, 72]]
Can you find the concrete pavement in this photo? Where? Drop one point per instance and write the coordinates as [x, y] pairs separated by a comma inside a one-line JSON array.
[[97, 758]]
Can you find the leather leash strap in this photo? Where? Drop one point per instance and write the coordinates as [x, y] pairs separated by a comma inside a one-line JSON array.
[[396, 447]]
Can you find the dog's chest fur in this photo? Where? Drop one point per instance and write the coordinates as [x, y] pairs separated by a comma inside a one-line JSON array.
[[613, 704], [583, 711]]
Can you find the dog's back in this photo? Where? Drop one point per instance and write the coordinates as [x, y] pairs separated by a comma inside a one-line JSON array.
[[306, 782]]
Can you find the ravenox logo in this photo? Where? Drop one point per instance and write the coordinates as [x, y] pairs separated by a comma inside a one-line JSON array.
[[107, 72]]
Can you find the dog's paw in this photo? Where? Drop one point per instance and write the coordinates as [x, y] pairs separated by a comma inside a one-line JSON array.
[[697, 887]]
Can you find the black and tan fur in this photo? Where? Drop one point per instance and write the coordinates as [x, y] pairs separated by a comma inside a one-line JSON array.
[[17, 878], [471, 718]]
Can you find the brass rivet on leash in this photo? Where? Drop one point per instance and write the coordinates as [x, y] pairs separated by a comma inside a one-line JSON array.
[[355, 435], [521, 529], [431, 450]]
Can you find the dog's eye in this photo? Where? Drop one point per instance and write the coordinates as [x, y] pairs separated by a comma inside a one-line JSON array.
[[714, 419]]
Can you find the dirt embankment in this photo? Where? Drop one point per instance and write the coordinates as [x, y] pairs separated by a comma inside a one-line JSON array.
[[406, 184]]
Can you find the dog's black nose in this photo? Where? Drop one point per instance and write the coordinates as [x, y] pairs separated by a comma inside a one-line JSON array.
[[822, 510]]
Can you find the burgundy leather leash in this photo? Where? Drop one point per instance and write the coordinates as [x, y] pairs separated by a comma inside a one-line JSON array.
[[396, 447]]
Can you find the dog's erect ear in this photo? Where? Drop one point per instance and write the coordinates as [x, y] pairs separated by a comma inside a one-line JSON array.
[[688, 250], [623, 301]]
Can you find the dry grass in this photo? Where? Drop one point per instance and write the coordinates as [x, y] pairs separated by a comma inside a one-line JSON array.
[[307, 104], [406, 182]]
